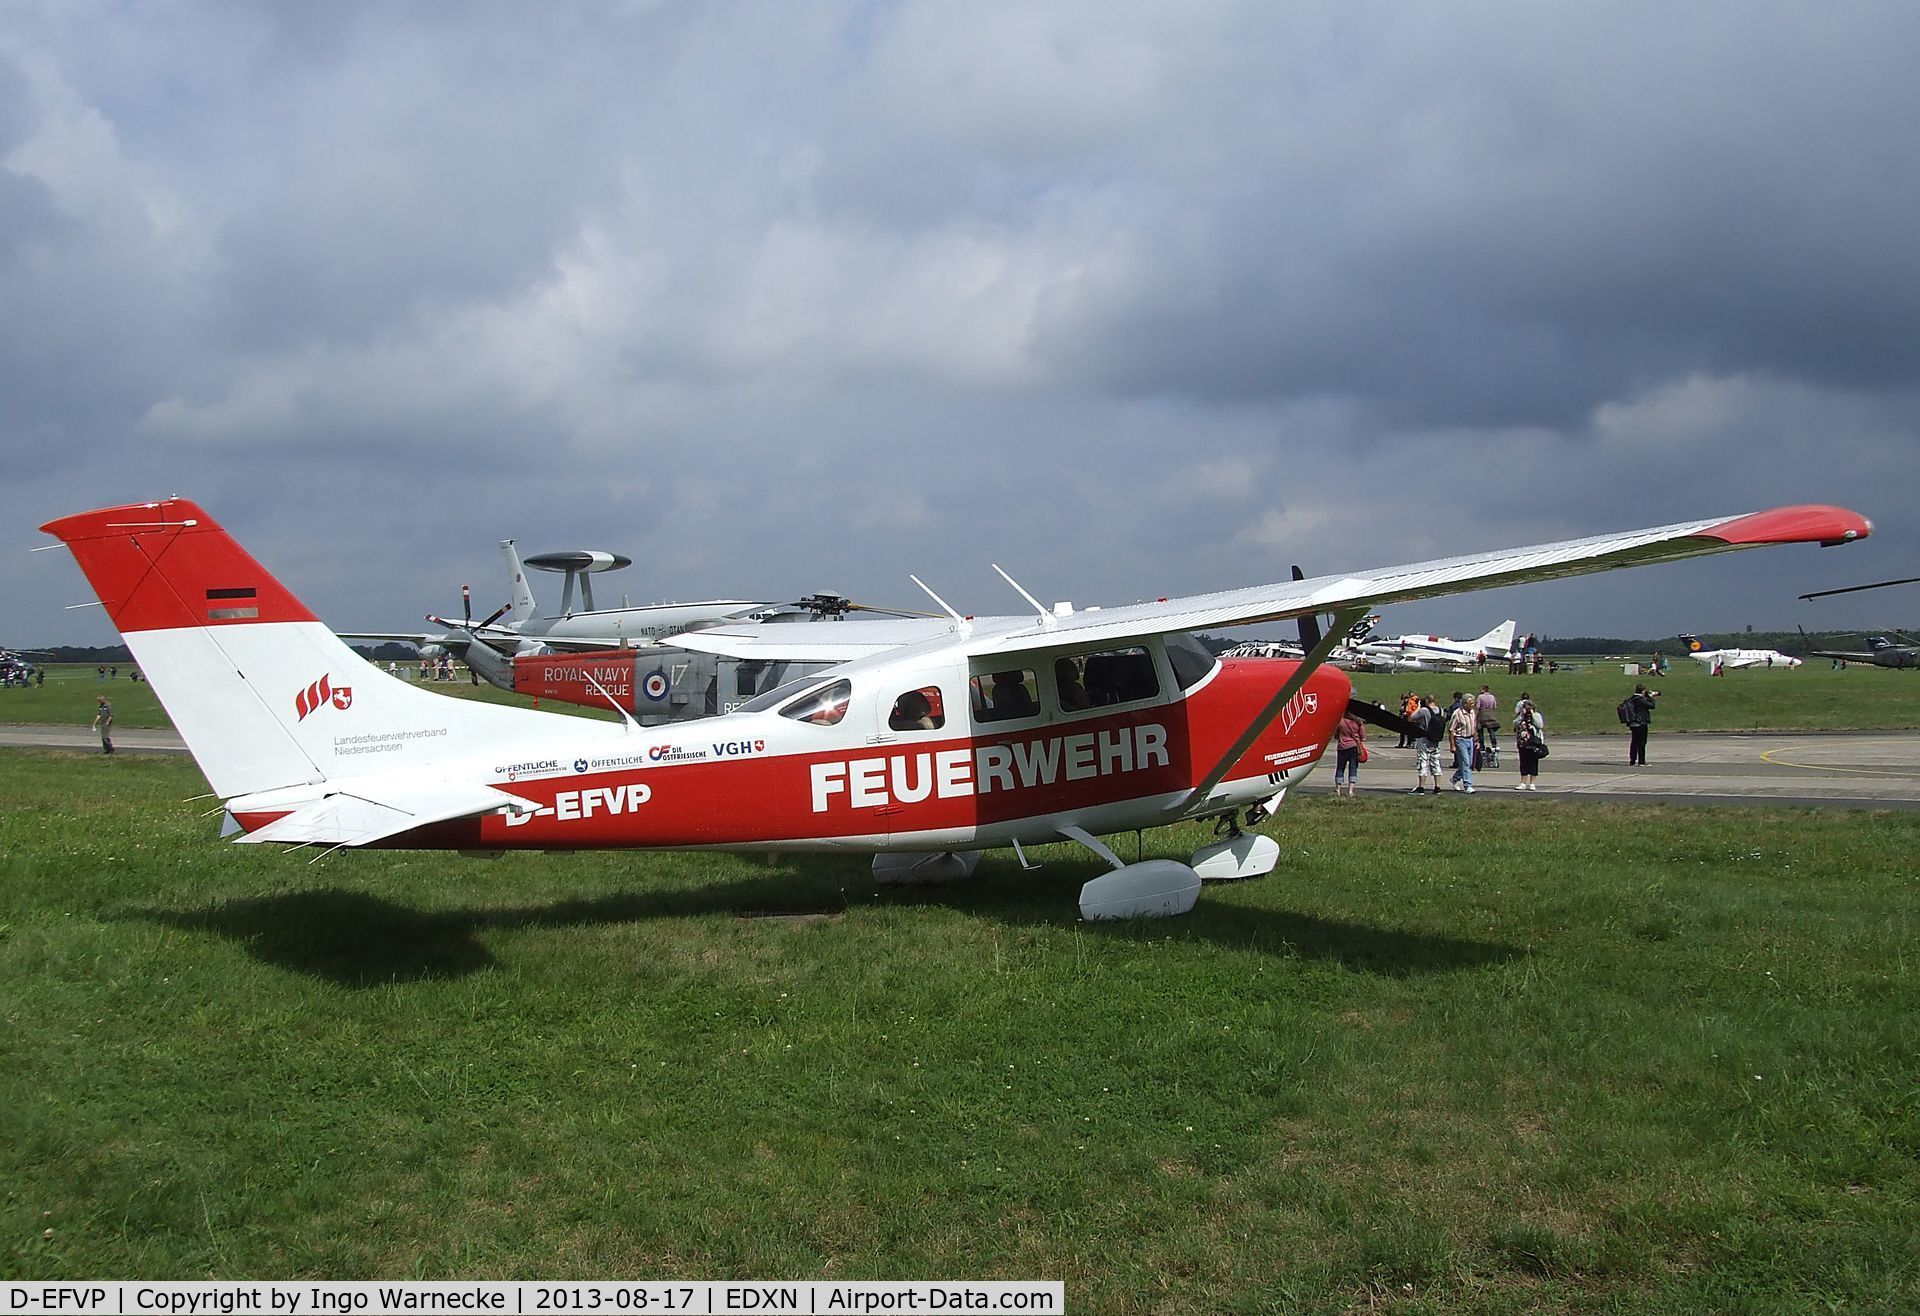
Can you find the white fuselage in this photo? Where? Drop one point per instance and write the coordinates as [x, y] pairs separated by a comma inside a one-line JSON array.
[[1741, 658]]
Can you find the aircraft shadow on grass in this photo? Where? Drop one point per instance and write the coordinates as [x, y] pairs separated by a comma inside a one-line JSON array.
[[356, 940]]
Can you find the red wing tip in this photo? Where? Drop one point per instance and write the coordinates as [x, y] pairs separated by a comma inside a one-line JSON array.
[[167, 512], [1809, 523]]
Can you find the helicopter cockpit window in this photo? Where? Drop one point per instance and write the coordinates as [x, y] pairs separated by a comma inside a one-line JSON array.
[[918, 710], [1192, 661], [1004, 696], [824, 707]]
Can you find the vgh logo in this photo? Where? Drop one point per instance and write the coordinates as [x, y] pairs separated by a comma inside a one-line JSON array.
[[319, 695]]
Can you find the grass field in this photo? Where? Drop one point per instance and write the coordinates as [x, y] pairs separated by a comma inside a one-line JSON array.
[[1813, 697], [1573, 1058]]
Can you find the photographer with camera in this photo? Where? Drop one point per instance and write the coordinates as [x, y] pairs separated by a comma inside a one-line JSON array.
[[1638, 711]]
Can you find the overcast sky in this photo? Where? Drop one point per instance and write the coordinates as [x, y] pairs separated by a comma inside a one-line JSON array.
[[1133, 299]]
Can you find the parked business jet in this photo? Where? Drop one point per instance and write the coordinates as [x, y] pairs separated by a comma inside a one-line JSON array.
[[1727, 660]]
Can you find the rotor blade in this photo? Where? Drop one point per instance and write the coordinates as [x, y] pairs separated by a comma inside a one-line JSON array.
[[1309, 625], [1381, 717], [826, 603], [1852, 589], [888, 612], [496, 615], [466, 604]]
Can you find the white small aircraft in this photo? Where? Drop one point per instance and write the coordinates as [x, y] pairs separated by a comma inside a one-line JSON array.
[[1734, 659], [998, 732], [1434, 653]]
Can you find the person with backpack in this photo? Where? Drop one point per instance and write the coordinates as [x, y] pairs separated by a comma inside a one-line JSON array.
[[1430, 728], [1636, 710]]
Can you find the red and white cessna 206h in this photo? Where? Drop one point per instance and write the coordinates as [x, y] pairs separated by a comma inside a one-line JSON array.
[[998, 732]]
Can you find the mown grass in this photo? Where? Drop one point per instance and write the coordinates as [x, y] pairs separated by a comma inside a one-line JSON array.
[[1568, 1058]]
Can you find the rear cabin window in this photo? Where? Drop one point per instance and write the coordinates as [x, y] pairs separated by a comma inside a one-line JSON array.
[[1004, 696], [918, 710], [824, 707]]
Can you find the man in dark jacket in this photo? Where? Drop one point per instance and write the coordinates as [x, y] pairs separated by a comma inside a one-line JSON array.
[[1639, 722]]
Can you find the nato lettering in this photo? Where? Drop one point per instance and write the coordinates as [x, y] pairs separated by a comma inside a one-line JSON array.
[[946, 774]]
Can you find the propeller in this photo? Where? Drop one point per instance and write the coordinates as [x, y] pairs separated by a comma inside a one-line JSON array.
[[466, 622], [1381, 716]]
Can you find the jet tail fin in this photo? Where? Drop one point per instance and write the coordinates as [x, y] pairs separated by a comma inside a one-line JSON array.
[[1499, 640], [523, 607]]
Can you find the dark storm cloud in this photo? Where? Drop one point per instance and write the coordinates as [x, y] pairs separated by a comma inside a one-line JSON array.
[[1134, 301], [1519, 224]]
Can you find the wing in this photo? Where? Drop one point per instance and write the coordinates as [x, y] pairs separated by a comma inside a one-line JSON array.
[[814, 641], [397, 637], [1807, 524], [347, 819]]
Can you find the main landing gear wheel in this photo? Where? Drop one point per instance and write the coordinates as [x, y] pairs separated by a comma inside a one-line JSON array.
[[1152, 888], [1241, 855]]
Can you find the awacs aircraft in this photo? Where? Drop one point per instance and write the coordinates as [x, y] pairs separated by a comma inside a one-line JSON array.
[[993, 734], [1735, 659], [519, 627], [1428, 653]]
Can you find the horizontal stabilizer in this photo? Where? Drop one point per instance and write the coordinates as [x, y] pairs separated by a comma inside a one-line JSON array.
[[347, 819]]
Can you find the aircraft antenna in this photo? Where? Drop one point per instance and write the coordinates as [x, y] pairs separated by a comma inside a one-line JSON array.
[[624, 715], [958, 620], [1047, 620]]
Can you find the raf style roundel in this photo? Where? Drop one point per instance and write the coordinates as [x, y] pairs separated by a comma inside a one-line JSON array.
[[656, 685]]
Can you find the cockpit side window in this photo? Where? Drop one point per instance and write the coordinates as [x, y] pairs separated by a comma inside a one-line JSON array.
[[824, 707]]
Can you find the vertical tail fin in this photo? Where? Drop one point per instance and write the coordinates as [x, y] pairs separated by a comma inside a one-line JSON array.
[[264, 695], [523, 605], [1499, 640]]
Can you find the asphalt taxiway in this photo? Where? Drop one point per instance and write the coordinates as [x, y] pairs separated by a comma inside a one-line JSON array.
[[1859, 770]]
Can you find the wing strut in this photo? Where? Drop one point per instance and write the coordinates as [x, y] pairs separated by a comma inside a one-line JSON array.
[[1342, 620]]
